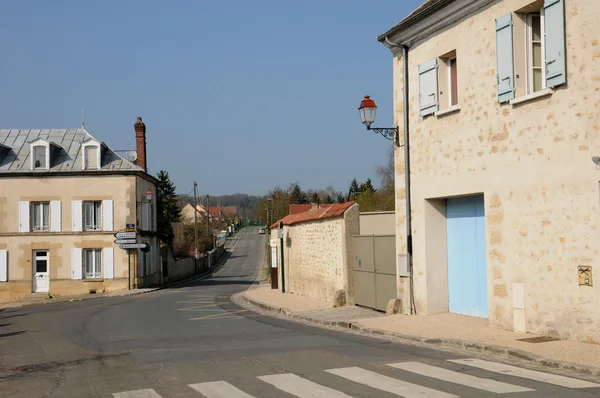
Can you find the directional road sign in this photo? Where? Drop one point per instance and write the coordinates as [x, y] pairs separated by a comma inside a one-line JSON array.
[[122, 241], [126, 235], [133, 246]]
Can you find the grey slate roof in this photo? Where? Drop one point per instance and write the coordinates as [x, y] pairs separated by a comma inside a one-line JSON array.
[[68, 157]]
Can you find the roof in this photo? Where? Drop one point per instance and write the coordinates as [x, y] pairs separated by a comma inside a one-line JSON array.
[[229, 211], [423, 11], [295, 209], [324, 212], [68, 152]]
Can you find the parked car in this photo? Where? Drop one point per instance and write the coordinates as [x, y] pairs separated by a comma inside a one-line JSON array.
[[261, 230]]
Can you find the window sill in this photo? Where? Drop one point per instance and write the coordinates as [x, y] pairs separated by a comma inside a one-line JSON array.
[[530, 97], [447, 111]]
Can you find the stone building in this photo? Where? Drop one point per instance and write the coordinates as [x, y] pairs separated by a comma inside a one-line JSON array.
[[63, 196], [503, 123]]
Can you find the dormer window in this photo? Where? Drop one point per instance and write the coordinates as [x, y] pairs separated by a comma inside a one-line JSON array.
[[40, 159], [91, 153]]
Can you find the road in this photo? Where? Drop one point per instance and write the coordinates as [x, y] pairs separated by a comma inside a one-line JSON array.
[[192, 341]]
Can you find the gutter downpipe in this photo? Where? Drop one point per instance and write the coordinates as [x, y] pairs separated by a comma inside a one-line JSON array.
[[409, 248]]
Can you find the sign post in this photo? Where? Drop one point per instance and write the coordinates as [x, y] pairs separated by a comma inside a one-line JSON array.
[[280, 234], [274, 281]]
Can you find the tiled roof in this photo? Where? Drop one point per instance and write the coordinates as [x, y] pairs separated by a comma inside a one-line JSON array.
[[295, 209], [229, 211], [326, 211], [68, 157]]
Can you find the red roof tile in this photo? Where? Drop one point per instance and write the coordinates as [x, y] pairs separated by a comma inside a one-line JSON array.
[[295, 209], [325, 211]]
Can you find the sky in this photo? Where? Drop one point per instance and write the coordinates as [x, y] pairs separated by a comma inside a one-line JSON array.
[[240, 96]]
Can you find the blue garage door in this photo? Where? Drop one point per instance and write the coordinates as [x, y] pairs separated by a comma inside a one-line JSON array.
[[467, 277]]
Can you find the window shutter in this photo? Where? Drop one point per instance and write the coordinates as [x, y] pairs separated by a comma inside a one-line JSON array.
[[24, 217], [107, 215], [145, 216], [109, 268], [77, 216], [3, 265], [76, 264], [55, 216], [428, 87], [556, 66], [505, 58]]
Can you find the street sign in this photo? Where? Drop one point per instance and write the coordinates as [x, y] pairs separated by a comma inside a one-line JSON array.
[[122, 241], [133, 246], [280, 233], [126, 235]]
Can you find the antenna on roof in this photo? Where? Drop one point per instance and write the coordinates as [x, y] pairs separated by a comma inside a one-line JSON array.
[[82, 120]]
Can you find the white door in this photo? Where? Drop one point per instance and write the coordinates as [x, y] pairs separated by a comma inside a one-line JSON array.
[[41, 271]]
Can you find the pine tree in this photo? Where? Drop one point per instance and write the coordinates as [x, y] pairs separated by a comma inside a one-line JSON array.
[[298, 197], [354, 190], [167, 208]]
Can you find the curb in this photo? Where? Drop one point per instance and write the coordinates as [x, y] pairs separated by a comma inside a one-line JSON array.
[[481, 348]]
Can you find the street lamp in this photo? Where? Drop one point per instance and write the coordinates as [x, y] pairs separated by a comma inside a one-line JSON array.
[[148, 198], [367, 110]]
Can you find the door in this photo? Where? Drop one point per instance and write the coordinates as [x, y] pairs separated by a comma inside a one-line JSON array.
[[467, 275], [374, 270], [41, 271]]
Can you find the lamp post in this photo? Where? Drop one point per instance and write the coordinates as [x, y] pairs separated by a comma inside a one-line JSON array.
[[144, 251], [367, 110]]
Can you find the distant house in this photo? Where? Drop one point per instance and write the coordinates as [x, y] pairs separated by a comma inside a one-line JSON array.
[[187, 214], [63, 195]]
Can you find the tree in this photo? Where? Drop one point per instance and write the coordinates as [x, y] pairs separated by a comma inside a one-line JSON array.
[[340, 198], [315, 197], [367, 186], [328, 200], [387, 191], [354, 190], [168, 210], [298, 197]]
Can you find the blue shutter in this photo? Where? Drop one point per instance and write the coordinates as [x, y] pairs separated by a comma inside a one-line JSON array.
[[556, 67], [428, 87], [504, 56]]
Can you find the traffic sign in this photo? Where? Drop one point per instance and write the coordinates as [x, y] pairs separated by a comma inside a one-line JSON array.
[[133, 246], [126, 235], [122, 241]]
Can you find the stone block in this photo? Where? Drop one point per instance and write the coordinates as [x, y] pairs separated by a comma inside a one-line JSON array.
[[394, 306]]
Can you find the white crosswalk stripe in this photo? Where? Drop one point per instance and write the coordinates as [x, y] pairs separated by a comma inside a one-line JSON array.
[[388, 384], [219, 389], [509, 370], [300, 387], [149, 393], [458, 378]]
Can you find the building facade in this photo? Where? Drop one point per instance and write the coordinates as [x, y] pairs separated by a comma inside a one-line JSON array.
[[63, 196], [503, 124]]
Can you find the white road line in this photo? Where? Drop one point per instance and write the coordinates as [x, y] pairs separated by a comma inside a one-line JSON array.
[[388, 384], [149, 393], [300, 387], [458, 378], [219, 389], [526, 373]]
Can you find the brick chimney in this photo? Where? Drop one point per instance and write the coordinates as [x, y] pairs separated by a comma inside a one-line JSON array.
[[140, 143]]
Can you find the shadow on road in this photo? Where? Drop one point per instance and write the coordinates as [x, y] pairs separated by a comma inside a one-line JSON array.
[[10, 334], [12, 316]]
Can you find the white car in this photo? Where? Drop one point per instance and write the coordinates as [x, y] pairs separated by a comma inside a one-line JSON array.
[[261, 230]]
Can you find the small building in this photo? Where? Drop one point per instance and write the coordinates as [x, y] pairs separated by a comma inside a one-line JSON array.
[[63, 195], [503, 123]]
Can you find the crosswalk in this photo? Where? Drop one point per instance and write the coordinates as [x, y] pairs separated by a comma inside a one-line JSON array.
[[301, 387]]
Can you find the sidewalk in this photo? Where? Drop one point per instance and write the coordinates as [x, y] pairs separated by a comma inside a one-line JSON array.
[[447, 330]]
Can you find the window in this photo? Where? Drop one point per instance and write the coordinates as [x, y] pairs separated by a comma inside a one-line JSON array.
[[92, 215], [39, 157], [535, 52], [452, 81], [93, 263], [41, 216], [91, 157]]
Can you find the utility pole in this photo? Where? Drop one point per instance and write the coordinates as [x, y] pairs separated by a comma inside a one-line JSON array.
[[195, 226], [208, 235]]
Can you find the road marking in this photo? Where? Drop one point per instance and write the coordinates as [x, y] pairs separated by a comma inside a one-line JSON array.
[[207, 306], [509, 370], [300, 387], [231, 317], [458, 378], [219, 389], [388, 384], [217, 315], [149, 393]]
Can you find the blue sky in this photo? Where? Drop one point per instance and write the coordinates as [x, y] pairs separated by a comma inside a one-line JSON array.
[[237, 95]]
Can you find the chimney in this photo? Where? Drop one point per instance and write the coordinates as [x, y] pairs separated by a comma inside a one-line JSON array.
[[140, 143]]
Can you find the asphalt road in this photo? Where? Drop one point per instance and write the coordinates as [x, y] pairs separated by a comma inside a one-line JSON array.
[[193, 341]]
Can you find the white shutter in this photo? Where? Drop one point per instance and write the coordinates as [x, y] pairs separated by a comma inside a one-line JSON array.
[[55, 216], [554, 20], [428, 87], [3, 265], [76, 264], [505, 59], [77, 216], [23, 216], [109, 268], [107, 215], [145, 216]]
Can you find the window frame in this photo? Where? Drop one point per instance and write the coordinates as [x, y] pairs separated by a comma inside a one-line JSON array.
[[96, 268], [450, 90], [33, 157], [41, 204], [529, 50], [97, 213]]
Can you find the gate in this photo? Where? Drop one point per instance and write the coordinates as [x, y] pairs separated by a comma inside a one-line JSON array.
[[374, 270]]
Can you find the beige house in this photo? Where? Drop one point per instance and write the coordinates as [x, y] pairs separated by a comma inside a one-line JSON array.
[[63, 196], [503, 121]]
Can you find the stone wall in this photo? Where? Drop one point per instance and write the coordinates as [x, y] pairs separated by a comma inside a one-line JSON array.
[[184, 268], [532, 162]]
